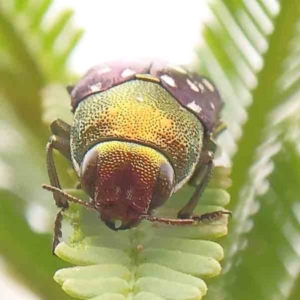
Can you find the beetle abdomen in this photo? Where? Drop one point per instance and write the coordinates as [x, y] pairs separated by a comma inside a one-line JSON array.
[[141, 112]]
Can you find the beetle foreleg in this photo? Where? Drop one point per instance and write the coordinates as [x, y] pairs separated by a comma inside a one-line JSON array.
[[59, 216], [200, 177], [188, 209], [220, 127], [61, 137], [60, 128], [59, 141], [57, 230]]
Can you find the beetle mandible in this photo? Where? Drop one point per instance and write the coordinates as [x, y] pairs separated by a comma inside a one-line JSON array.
[[141, 130]]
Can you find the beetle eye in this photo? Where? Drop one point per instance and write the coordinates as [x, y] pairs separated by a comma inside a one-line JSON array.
[[164, 185], [88, 172]]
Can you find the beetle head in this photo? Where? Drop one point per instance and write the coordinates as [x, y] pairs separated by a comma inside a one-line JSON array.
[[125, 181]]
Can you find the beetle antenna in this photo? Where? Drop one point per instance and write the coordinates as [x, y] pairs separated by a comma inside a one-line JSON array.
[[66, 196], [211, 216], [169, 221]]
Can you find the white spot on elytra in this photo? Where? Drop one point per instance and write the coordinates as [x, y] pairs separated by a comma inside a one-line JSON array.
[[127, 73], [139, 98], [168, 80], [201, 86], [178, 69], [104, 70], [208, 84], [194, 107], [96, 87], [192, 85], [212, 106]]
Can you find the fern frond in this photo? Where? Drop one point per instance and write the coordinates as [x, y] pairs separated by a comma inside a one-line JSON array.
[[151, 261], [251, 51]]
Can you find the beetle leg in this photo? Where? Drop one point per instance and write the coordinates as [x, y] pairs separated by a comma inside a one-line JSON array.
[[56, 143], [220, 127], [200, 177], [57, 230], [61, 132], [188, 209], [62, 145], [59, 216], [59, 141], [57, 224], [60, 128]]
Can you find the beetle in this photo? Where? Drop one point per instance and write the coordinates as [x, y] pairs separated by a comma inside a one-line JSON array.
[[140, 131]]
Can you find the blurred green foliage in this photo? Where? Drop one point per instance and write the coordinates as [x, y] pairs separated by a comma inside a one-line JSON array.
[[33, 54], [251, 52]]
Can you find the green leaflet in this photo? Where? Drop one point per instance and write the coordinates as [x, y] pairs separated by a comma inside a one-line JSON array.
[[259, 256], [152, 261]]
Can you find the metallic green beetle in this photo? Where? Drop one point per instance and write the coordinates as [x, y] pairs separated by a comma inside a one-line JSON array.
[[141, 130]]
